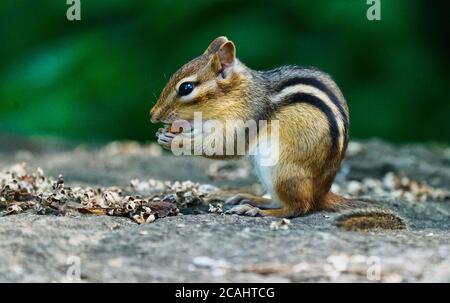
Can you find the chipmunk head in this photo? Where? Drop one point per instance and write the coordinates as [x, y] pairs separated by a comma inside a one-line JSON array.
[[212, 84]]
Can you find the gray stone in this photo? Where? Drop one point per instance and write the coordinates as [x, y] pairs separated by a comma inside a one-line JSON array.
[[204, 247]]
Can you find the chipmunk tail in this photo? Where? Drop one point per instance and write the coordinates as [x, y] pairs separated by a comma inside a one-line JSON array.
[[364, 219]]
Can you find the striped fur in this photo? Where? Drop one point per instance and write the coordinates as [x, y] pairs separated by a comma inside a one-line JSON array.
[[323, 107], [311, 110], [315, 82], [304, 85]]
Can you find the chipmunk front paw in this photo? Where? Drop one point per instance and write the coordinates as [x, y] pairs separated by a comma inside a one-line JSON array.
[[245, 210], [165, 138]]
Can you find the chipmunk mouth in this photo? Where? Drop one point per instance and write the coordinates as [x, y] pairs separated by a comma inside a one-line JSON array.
[[177, 128]]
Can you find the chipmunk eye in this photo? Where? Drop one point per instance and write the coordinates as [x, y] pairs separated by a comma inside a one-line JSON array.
[[185, 88]]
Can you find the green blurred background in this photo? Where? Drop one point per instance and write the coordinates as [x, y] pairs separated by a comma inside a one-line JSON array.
[[95, 80]]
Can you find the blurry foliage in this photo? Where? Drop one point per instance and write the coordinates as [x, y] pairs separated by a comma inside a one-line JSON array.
[[96, 79]]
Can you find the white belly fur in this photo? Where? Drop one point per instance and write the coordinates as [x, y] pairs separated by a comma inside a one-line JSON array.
[[264, 173]]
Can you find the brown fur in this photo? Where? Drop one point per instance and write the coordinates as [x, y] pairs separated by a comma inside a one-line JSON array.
[[305, 171], [304, 175], [366, 219]]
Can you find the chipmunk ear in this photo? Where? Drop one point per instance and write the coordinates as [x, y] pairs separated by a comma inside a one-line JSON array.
[[223, 57], [215, 45], [222, 53], [227, 54]]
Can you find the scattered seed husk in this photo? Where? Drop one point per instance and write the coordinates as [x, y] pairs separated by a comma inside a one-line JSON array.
[[216, 209], [21, 190], [281, 224], [142, 201], [183, 194], [393, 185]]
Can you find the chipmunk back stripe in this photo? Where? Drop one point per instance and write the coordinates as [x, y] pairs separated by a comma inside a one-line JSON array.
[[312, 90], [321, 86], [323, 107]]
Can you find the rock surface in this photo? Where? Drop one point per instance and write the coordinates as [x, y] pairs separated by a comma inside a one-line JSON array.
[[206, 247]]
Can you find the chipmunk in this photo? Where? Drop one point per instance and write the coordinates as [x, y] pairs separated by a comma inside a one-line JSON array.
[[310, 109]]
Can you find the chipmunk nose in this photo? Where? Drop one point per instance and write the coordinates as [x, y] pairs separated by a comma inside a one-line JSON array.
[[154, 115]]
